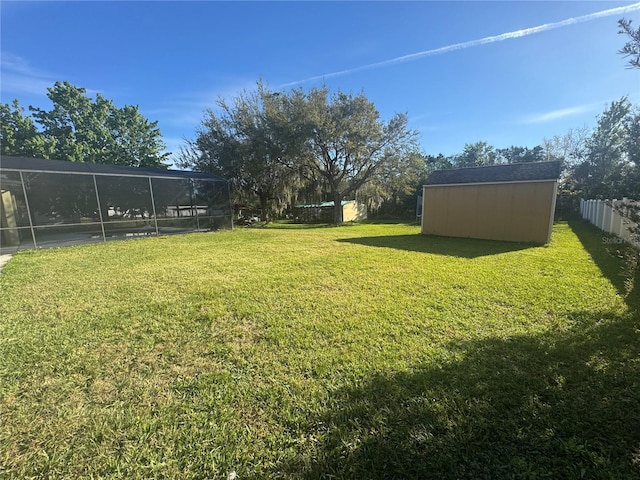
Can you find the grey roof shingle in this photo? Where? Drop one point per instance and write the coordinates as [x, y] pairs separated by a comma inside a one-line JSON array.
[[515, 172]]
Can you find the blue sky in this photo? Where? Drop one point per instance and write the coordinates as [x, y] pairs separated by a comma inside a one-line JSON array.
[[462, 71]]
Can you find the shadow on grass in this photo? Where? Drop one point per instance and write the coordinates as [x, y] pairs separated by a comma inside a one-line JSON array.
[[558, 405], [450, 246], [297, 226], [608, 259]]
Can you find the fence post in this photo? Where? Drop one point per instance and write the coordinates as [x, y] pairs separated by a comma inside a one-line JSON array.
[[606, 216], [601, 210], [617, 219], [586, 210]]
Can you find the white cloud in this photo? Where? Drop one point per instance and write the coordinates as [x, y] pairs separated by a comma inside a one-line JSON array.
[[18, 76], [19, 84], [474, 43], [17, 64], [558, 114]]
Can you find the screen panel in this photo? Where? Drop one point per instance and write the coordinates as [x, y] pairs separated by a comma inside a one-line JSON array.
[[61, 199], [124, 198], [173, 198]]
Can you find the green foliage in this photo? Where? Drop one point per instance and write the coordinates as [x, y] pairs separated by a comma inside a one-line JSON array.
[[286, 145], [608, 161], [439, 162], [609, 166], [481, 154], [477, 154], [631, 180], [19, 136], [348, 143], [134, 140], [632, 47], [364, 351], [251, 144], [392, 191], [515, 154], [81, 129]]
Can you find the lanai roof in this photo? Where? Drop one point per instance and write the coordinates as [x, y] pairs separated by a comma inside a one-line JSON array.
[[59, 166]]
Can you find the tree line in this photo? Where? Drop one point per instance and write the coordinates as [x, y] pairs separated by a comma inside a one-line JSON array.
[[297, 146], [280, 148]]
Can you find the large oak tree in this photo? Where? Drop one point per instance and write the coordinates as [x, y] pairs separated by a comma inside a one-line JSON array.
[[275, 145], [251, 142], [346, 142]]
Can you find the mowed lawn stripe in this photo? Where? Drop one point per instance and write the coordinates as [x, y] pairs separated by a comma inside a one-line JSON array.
[[360, 351]]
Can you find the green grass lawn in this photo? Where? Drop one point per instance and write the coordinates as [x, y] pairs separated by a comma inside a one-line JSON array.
[[363, 351]]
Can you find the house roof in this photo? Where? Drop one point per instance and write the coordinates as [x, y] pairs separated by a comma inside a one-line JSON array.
[[59, 166], [515, 172]]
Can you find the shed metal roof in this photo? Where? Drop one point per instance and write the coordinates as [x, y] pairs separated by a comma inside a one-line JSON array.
[[60, 166], [515, 172]]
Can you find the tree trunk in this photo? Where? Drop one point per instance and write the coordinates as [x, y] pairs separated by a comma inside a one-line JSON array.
[[337, 207], [264, 207]]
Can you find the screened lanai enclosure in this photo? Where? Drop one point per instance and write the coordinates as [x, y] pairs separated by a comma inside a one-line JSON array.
[[49, 203]]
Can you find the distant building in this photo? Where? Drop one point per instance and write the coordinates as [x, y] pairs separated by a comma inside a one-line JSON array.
[[514, 202], [352, 211]]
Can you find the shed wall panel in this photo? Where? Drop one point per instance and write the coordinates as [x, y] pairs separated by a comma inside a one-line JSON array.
[[354, 212], [520, 212]]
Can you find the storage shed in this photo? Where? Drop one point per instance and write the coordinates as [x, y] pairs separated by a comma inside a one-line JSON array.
[[514, 202], [352, 211], [47, 203]]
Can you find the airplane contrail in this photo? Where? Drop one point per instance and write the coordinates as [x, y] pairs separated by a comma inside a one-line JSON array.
[[474, 43]]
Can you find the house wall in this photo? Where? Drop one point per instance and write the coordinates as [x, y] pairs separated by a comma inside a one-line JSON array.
[[354, 212], [518, 211]]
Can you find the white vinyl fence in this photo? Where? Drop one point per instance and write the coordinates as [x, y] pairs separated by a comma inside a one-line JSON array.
[[612, 217]]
